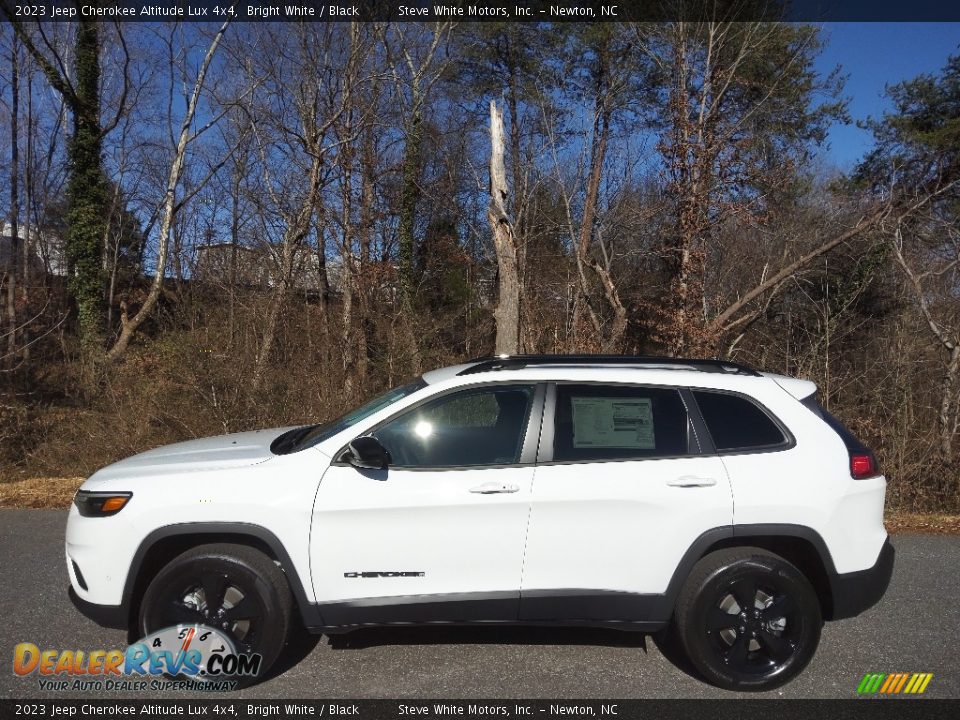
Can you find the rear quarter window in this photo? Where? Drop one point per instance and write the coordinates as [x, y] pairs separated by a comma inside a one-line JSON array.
[[736, 423], [849, 439]]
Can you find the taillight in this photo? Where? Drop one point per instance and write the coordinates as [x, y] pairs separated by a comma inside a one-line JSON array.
[[863, 465]]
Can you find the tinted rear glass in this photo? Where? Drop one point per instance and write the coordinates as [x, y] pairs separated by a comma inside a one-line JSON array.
[[606, 422], [737, 423]]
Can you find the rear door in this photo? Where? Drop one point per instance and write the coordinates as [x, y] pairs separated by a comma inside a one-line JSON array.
[[620, 492]]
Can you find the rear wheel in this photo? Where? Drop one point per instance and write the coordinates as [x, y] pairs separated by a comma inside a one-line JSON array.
[[747, 619], [233, 588]]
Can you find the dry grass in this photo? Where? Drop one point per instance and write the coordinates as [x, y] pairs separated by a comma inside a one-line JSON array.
[[56, 492], [48, 492], [923, 523]]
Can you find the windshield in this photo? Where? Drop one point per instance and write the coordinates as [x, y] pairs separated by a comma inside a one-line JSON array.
[[300, 438]]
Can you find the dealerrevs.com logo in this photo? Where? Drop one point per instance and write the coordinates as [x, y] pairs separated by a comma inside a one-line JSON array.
[[183, 657]]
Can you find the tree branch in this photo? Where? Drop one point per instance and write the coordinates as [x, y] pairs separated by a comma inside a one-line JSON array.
[[722, 323]]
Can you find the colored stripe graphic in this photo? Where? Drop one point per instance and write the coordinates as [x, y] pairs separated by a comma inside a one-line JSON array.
[[903, 679], [918, 683], [894, 683], [870, 683]]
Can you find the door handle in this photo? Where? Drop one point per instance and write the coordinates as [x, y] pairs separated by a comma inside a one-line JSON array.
[[692, 481], [490, 488]]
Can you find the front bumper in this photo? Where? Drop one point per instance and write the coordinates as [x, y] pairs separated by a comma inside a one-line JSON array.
[[856, 592], [110, 616]]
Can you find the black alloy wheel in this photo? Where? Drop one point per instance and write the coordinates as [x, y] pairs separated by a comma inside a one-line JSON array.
[[233, 588], [748, 619]]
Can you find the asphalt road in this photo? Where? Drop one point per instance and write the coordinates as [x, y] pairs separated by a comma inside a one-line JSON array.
[[915, 628]]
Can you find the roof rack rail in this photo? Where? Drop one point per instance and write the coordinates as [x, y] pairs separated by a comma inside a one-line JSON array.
[[515, 362]]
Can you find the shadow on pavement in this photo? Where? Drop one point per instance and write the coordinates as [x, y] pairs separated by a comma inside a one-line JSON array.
[[297, 649], [669, 646]]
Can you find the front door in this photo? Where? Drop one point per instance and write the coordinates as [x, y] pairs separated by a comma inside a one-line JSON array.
[[439, 535]]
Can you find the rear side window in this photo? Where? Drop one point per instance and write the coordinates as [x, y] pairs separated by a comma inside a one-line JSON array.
[[609, 422], [736, 423]]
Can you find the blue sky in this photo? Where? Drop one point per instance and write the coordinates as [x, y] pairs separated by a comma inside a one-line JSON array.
[[874, 55]]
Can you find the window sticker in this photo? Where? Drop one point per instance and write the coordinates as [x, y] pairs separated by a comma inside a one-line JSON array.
[[613, 422]]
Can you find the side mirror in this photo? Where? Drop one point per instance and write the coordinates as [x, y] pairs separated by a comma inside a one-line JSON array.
[[368, 454]]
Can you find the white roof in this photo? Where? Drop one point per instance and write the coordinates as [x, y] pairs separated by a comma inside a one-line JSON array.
[[653, 374]]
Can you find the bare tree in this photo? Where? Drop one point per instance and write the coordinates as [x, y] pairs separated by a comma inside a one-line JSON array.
[[931, 276], [737, 94], [507, 314], [613, 83], [171, 204], [298, 149], [11, 275], [415, 62]]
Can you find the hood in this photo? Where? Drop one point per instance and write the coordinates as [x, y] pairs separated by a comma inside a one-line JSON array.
[[221, 452]]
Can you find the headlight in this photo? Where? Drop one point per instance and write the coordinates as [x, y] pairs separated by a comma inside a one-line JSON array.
[[100, 504]]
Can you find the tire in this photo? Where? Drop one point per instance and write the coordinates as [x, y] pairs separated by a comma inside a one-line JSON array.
[[232, 574], [760, 644]]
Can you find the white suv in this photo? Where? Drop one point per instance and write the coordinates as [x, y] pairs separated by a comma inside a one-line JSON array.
[[626, 492]]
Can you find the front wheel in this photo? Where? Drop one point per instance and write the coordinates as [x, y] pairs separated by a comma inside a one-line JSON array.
[[234, 589], [747, 619]]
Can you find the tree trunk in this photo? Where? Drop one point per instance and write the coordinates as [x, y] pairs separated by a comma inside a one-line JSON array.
[[368, 160], [347, 284], [507, 313], [689, 164], [30, 237], [236, 178], [86, 190], [86, 182], [111, 255], [14, 206], [613, 342], [519, 189], [598, 151], [945, 420], [409, 195]]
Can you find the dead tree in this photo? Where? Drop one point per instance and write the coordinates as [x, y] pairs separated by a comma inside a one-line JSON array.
[[507, 313]]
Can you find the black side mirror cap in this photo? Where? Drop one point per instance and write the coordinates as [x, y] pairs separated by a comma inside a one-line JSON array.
[[368, 454]]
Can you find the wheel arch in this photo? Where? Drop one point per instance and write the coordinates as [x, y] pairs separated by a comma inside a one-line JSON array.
[[800, 545], [165, 543]]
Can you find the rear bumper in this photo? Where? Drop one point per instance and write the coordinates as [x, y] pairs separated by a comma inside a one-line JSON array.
[[856, 592]]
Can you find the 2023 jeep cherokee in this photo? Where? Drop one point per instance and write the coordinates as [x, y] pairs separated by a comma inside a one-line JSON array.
[[628, 492]]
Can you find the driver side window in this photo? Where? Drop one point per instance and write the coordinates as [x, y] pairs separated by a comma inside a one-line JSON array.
[[476, 427]]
